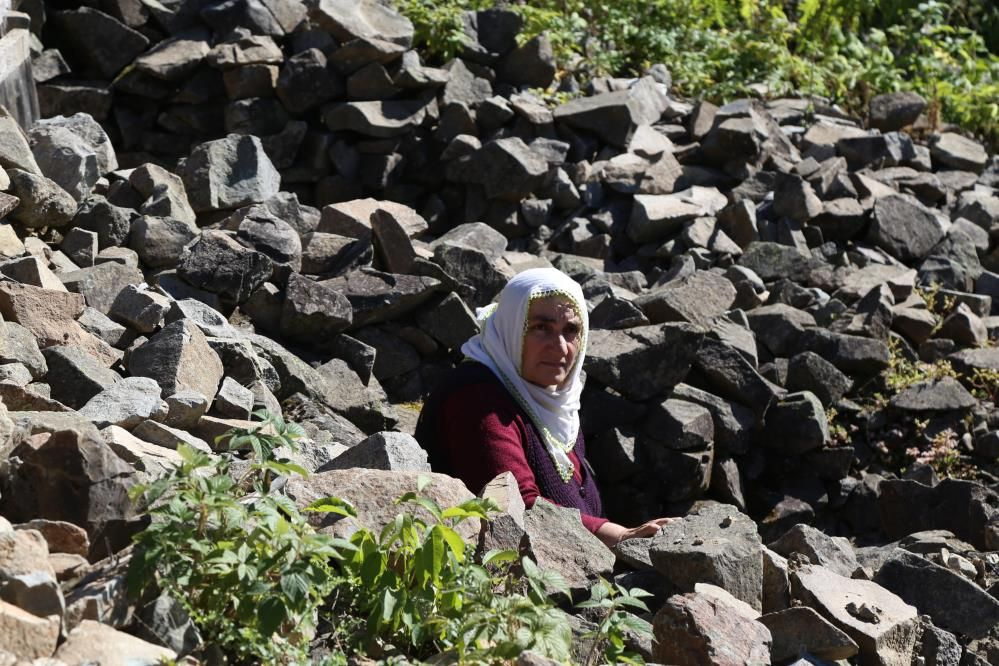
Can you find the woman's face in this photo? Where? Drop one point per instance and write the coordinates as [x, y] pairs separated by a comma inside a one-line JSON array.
[[551, 342]]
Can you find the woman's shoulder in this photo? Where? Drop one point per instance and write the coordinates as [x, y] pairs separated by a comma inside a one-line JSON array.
[[472, 388]]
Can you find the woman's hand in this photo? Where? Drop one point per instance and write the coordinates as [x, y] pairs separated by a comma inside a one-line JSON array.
[[612, 533]]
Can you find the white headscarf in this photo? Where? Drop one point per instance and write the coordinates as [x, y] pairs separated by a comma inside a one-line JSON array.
[[500, 345]]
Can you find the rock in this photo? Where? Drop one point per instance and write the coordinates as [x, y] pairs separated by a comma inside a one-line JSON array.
[[24, 552], [233, 400], [26, 635], [185, 408], [904, 228], [93, 641], [229, 173], [266, 233], [795, 199], [957, 152], [733, 423], [101, 284], [381, 119], [43, 202], [893, 111], [167, 437], [65, 158], [126, 403], [507, 168], [656, 216], [111, 223], [697, 629], [796, 631], [939, 647], [730, 375], [390, 451], [532, 64], [697, 299], [75, 376], [101, 43], [371, 492], [772, 261], [883, 626], [833, 553], [81, 246], [714, 544], [164, 193], [160, 241], [641, 362], [943, 394], [963, 327], [614, 116], [15, 153], [951, 600], [377, 297], [17, 345], [796, 424], [36, 592], [313, 311], [810, 372], [140, 309], [450, 322], [220, 264], [306, 82], [174, 59], [31, 270], [366, 405], [178, 358], [854, 355], [211, 322], [559, 542], [75, 478], [365, 20], [49, 315]]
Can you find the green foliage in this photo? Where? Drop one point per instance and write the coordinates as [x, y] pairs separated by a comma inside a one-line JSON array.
[[902, 372], [242, 560], [256, 577], [612, 601], [845, 50]]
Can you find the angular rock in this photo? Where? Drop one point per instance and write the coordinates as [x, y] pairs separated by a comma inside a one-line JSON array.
[[177, 358], [229, 173], [111, 223], [93, 641], [614, 116], [43, 202], [65, 158], [26, 635], [220, 264], [140, 309], [381, 119], [852, 354], [126, 403], [957, 152], [314, 311], [697, 629], [49, 315], [164, 193], [964, 507], [644, 361], [656, 216], [101, 284], [697, 299], [833, 553], [15, 153], [559, 542], [390, 451], [160, 241], [715, 544], [732, 376], [796, 424], [75, 376], [233, 400], [377, 297], [904, 228], [367, 20], [507, 168], [893, 111], [883, 626], [796, 631], [951, 600], [167, 437], [808, 371]]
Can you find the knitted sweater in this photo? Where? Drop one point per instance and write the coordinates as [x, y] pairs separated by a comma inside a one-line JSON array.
[[473, 429]]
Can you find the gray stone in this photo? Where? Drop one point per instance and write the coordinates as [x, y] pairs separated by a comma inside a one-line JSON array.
[[808, 371], [306, 82], [18, 345], [733, 423], [377, 297], [883, 625], [233, 400], [904, 228], [81, 246], [450, 322], [614, 116], [801, 630], [185, 408], [698, 629], [957, 152], [174, 59], [852, 354], [644, 361], [220, 264], [697, 299], [37, 592], [43, 202], [559, 542], [795, 199], [211, 322], [15, 153], [963, 327], [531, 64], [314, 311], [65, 158], [391, 451], [140, 309], [75, 376], [943, 394], [731, 375], [33, 271], [833, 553], [362, 401], [507, 168], [951, 600], [165, 622], [367, 20], [796, 424], [963, 507], [163, 192], [270, 235], [126, 403], [160, 241], [97, 323], [111, 223], [229, 173], [715, 544], [893, 111], [103, 44], [15, 373], [91, 641], [177, 358], [167, 437], [382, 119], [656, 216]]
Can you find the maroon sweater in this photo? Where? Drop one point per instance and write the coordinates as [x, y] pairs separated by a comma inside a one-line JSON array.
[[473, 429]]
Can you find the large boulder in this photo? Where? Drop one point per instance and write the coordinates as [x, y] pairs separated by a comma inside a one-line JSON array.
[[178, 358], [229, 173], [693, 629], [614, 116]]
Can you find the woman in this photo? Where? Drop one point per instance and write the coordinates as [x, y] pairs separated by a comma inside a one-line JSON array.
[[514, 404]]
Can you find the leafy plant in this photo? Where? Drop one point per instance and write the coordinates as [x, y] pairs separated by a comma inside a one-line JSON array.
[[610, 634]]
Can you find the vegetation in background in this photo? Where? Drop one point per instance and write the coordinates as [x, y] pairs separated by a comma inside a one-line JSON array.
[[844, 50], [260, 583]]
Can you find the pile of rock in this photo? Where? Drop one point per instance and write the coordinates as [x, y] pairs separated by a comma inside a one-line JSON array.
[[749, 269]]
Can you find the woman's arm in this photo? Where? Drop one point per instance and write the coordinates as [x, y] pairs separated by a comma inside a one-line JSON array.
[[612, 533]]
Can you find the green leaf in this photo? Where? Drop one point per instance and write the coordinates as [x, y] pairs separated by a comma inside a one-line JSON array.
[[500, 556], [422, 482], [332, 505], [454, 541], [388, 605], [271, 614]]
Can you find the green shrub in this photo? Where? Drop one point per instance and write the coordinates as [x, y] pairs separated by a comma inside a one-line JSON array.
[[256, 577], [845, 50]]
